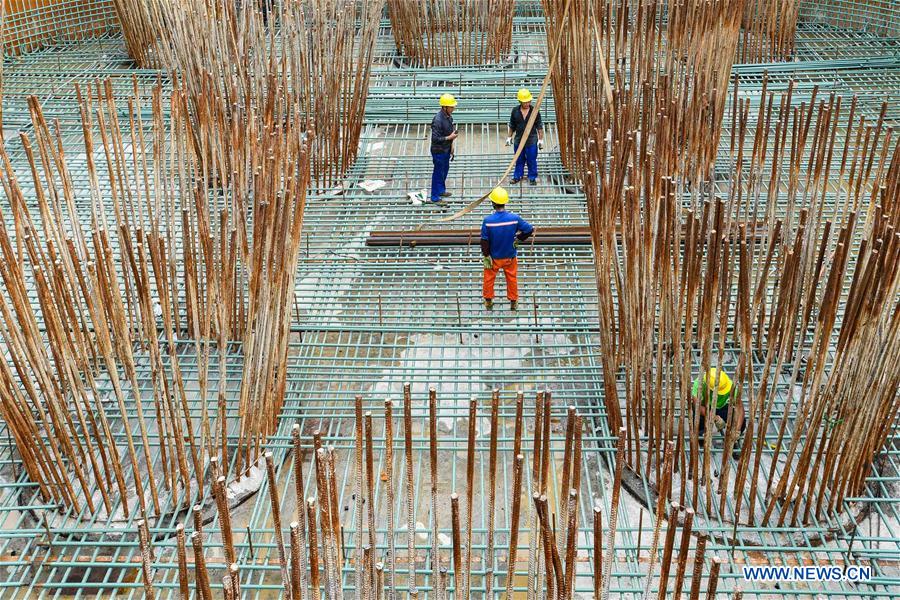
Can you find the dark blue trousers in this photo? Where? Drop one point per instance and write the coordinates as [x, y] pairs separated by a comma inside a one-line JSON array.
[[441, 162], [529, 154]]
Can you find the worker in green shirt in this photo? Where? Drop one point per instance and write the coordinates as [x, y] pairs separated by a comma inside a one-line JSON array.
[[717, 387]]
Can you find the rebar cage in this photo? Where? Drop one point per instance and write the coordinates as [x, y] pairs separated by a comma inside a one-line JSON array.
[[369, 319]]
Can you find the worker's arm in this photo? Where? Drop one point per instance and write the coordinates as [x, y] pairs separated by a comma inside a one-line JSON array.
[[486, 247], [441, 131], [437, 136], [511, 127], [524, 230], [539, 125]]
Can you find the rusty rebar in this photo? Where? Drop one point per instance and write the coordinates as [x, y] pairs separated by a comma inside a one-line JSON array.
[[697, 574], [201, 576], [568, 448], [276, 521], [379, 581], [197, 512], [683, 550], [536, 470], [146, 560], [296, 562], [713, 578], [224, 518], [370, 493], [470, 492], [410, 491], [299, 492], [457, 552], [668, 545], [492, 492], [235, 573], [359, 486], [313, 549], [571, 540], [598, 551], [389, 493], [511, 555], [614, 513], [433, 467], [181, 540]]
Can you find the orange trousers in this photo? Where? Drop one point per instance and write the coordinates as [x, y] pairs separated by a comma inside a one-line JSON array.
[[510, 268]]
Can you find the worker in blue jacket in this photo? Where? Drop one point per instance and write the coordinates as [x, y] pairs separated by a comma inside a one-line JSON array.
[[501, 233], [443, 132]]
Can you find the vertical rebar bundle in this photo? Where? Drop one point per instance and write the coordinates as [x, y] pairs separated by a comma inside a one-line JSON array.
[[238, 129], [769, 30], [437, 32], [147, 256], [236, 59], [751, 272], [52, 396], [142, 26], [563, 560], [101, 307], [667, 68]]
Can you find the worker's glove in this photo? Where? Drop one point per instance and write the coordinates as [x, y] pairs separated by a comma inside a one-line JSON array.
[[509, 141], [719, 423], [488, 263], [540, 144], [517, 243]]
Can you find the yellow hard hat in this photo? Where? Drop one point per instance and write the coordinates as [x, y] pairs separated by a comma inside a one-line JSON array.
[[524, 95], [448, 100], [724, 381], [499, 195]]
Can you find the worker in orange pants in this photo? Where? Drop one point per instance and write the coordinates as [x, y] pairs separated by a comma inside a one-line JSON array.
[[510, 268], [501, 233]]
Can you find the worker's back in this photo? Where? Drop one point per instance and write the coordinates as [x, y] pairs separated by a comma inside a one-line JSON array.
[[500, 229]]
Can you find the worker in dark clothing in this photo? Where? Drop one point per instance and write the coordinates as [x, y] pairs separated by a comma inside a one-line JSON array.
[[443, 132], [518, 120], [501, 234]]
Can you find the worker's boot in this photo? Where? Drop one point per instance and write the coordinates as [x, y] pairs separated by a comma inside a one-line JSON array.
[[532, 182], [489, 303], [446, 195], [513, 305], [515, 180]]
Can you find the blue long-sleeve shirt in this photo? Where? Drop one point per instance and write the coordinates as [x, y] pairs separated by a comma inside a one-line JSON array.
[[441, 126], [499, 231]]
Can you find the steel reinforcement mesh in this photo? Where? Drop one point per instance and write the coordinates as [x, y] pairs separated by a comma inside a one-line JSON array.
[[369, 319], [879, 17], [32, 24]]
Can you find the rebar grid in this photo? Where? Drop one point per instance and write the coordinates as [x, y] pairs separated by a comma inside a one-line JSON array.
[[370, 319], [30, 25], [323, 367]]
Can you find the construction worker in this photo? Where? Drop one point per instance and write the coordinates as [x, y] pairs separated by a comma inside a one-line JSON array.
[[501, 234], [518, 120], [443, 132], [716, 387]]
